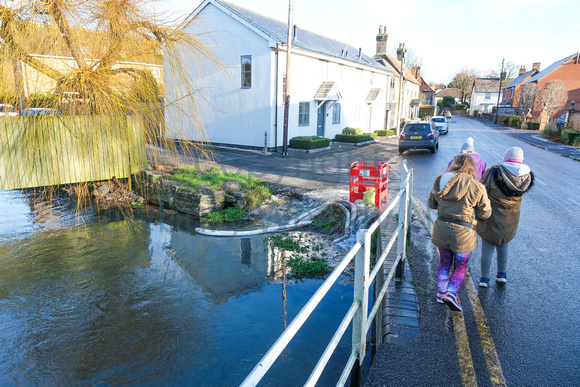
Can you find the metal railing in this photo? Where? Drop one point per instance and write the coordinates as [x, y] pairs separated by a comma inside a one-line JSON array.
[[363, 278]]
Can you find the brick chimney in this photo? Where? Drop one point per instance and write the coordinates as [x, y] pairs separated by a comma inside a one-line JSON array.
[[536, 66], [522, 69], [382, 41], [416, 71], [400, 51]]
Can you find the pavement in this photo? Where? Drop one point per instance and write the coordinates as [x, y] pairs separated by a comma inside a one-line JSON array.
[[533, 137], [329, 170]]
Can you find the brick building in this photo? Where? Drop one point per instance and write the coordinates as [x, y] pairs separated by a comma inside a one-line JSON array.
[[512, 91], [566, 70]]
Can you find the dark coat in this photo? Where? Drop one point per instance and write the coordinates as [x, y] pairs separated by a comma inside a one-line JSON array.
[[505, 192], [459, 204]]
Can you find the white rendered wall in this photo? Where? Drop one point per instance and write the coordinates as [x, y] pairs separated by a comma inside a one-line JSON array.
[[222, 111]]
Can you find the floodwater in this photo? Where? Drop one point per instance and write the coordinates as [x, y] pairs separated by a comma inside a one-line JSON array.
[[88, 300]]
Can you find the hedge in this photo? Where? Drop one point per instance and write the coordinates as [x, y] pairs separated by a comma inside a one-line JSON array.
[[569, 136], [533, 126], [384, 133], [309, 142], [460, 106], [355, 138], [352, 131], [426, 111]]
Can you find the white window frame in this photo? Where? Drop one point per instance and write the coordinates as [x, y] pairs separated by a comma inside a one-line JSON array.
[[336, 111], [245, 72], [304, 114]]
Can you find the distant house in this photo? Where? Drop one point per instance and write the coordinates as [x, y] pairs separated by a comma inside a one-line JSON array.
[[448, 92], [566, 70], [410, 98], [426, 92], [241, 103], [484, 94], [511, 92]]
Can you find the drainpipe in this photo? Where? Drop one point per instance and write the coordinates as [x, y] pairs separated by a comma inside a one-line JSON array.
[[276, 105]]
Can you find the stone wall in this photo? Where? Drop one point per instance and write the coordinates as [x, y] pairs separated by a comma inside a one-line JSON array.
[[196, 201]]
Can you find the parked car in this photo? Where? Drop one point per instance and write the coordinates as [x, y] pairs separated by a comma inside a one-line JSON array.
[[561, 121], [419, 135], [41, 112], [446, 114], [8, 110], [441, 124]]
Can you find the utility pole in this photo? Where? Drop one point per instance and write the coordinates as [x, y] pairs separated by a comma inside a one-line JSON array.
[[401, 53], [501, 76], [287, 89]]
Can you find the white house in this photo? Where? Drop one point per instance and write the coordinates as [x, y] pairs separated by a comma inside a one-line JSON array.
[[241, 100], [484, 94]]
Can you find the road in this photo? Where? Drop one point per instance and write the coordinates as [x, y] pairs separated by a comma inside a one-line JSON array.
[[523, 334]]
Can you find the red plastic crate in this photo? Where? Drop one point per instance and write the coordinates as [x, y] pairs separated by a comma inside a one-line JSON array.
[[365, 174]]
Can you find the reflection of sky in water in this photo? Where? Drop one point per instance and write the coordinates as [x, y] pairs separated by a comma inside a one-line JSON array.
[[117, 302], [24, 212], [15, 214]]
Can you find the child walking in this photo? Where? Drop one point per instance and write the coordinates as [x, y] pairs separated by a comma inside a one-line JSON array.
[[460, 201]]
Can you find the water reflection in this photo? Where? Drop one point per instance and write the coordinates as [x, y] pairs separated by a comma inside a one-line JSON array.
[[144, 302]]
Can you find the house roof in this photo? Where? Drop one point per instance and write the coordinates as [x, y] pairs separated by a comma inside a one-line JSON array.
[[486, 85], [278, 31], [521, 78], [449, 91], [425, 87], [551, 68], [394, 65]]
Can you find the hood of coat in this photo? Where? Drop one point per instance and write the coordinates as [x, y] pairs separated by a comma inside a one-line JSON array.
[[456, 188], [516, 176]]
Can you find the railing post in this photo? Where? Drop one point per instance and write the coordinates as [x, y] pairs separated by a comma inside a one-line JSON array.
[[361, 291], [402, 238]]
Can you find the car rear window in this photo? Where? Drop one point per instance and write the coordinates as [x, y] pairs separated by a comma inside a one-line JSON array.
[[438, 119], [417, 128], [8, 109]]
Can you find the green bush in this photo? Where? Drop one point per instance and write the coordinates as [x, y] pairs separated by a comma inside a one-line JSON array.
[[355, 138], [533, 126], [352, 131], [385, 133], [426, 111], [226, 215], [308, 268], [460, 106], [570, 136], [309, 142], [448, 101]]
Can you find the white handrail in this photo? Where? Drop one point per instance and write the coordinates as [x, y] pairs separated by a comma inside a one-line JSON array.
[[358, 312]]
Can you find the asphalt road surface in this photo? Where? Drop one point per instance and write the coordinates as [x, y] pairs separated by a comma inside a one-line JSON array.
[[526, 333]]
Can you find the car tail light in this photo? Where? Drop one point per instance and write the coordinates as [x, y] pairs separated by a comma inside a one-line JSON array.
[[402, 135], [431, 134]]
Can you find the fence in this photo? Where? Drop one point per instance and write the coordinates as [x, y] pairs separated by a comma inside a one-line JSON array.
[[53, 150], [358, 312]]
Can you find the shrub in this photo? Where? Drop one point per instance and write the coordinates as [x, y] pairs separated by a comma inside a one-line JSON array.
[[226, 215], [570, 136], [383, 133], [355, 138], [533, 125], [426, 111], [352, 131], [308, 268], [460, 107], [309, 142]]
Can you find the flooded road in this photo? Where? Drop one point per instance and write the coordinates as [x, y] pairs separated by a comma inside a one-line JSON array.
[[85, 301]]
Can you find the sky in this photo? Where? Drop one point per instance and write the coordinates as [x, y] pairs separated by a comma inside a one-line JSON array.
[[447, 35]]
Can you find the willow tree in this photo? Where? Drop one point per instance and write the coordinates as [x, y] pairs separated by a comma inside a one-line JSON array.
[[96, 56]]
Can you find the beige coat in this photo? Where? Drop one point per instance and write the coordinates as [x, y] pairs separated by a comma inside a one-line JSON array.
[[463, 200], [505, 193]]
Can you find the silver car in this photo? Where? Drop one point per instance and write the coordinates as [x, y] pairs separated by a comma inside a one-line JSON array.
[[441, 124]]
